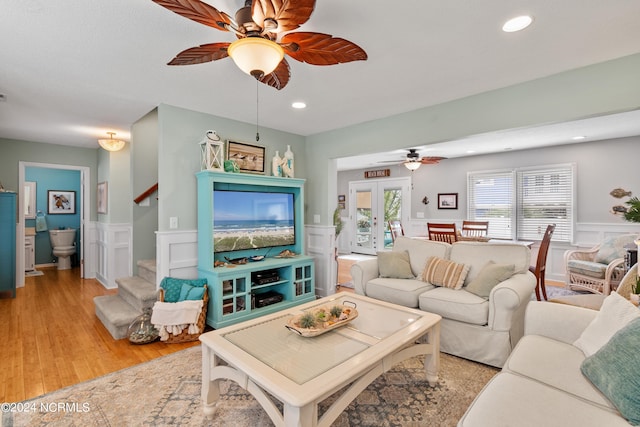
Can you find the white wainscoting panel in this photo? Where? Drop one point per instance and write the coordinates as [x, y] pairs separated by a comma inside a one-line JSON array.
[[114, 253], [176, 254], [90, 248], [320, 244]]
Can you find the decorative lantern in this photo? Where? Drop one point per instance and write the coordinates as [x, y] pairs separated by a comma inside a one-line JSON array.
[[212, 153]]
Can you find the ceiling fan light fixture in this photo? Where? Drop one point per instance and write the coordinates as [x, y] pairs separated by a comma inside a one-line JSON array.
[[111, 144], [411, 165], [256, 56]]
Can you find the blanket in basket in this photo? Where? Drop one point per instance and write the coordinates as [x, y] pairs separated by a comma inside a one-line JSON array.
[[173, 317]]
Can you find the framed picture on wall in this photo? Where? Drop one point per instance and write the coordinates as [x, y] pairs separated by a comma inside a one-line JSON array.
[[61, 202], [447, 200], [102, 197], [248, 157]]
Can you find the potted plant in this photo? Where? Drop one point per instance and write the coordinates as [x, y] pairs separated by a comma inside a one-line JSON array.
[[633, 213], [634, 297]]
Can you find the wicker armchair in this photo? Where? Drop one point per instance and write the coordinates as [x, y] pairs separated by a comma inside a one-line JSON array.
[[599, 269]]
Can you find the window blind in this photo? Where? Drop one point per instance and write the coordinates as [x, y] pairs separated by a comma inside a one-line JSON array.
[[521, 203], [490, 197], [545, 196]]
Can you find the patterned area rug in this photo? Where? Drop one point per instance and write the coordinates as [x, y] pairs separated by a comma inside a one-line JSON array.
[[166, 391], [557, 291]]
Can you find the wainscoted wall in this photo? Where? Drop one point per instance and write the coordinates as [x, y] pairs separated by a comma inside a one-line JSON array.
[[320, 245], [587, 235], [113, 248], [176, 254]]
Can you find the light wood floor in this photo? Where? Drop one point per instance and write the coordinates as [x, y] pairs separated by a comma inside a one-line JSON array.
[[53, 339]]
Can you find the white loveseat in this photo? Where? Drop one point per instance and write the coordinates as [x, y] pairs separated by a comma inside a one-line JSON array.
[[542, 384], [473, 327]]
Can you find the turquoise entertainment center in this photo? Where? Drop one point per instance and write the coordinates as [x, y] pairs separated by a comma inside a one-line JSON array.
[[239, 292]]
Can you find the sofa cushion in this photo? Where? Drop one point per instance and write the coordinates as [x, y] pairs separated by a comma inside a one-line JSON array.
[[514, 400], [442, 272], [397, 291], [613, 247], [490, 275], [455, 305], [554, 363], [476, 255], [419, 250], [587, 268], [616, 312], [613, 370], [395, 265]]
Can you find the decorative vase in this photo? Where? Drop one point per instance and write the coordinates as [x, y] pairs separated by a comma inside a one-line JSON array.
[[141, 330], [287, 163], [276, 165], [231, 166]]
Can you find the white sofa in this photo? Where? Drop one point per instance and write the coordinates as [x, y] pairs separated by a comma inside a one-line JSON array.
[[541, 384], [473, 327]]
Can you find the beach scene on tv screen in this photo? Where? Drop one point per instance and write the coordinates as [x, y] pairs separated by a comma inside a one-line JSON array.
[[252, 220]]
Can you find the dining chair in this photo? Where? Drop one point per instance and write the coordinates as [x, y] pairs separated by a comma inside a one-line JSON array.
[[475, 228], [442, 232], [541, 263], [396, 229]]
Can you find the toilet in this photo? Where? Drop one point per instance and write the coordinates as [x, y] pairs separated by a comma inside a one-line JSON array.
[[63, 243]]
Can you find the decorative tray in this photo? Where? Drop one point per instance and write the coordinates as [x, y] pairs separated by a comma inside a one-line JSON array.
[[322, 319]]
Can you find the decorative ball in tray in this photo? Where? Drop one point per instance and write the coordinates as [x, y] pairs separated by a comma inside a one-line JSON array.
[[323, 319]]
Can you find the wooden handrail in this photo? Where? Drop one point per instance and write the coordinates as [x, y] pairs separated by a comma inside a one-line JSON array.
[[146, 194]]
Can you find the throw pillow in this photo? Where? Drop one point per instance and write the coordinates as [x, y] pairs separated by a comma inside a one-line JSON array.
[[172, 287], [190, 292], [616, 312], [613, 248], [487, 279], [612, 369], [442, 272], [395, 265]]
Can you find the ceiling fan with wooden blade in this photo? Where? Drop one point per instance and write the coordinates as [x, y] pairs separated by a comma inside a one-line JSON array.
[[266, 19], [414, 157]]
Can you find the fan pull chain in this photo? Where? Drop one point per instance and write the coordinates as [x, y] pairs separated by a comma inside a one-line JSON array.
[[257, 112]]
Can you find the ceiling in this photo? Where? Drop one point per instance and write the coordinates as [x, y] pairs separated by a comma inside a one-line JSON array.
[[70, 74]]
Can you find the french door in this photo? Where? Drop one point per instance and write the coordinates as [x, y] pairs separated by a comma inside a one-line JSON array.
[[372, 204]]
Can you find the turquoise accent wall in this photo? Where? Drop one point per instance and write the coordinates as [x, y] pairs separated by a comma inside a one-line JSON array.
[[46, 180]]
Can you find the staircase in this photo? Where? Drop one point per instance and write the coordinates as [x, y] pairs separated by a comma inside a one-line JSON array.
[[116, 312]]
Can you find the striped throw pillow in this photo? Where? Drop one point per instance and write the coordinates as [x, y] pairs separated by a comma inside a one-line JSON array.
[[442, 272]]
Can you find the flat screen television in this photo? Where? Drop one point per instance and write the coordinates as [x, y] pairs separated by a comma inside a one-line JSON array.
[[244, 220]]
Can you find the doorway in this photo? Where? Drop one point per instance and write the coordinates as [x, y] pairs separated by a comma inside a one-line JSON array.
[[376, 203], [82, 205]]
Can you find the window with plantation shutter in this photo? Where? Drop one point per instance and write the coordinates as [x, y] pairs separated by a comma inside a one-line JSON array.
[[520, 203]]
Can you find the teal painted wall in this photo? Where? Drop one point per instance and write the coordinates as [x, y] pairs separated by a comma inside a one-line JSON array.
[[47, 180]]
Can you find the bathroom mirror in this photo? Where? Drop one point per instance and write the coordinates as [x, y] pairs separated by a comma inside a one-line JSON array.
[[29, 200]]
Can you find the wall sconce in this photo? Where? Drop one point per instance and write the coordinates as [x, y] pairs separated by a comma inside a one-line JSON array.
[[425, 200], [211, 152], [111, 144]]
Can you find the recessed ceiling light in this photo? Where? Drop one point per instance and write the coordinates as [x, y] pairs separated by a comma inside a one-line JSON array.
[[471, 151], [576, 138], [516, 24], [299, 105]]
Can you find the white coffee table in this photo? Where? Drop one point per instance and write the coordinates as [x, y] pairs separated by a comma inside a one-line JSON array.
[[262, 355]]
